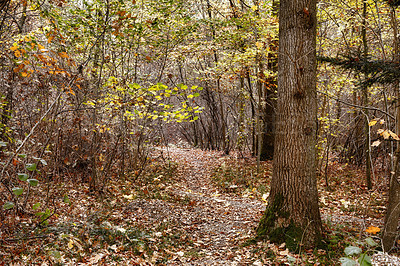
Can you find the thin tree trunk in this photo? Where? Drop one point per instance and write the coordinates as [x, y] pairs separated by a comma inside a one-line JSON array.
[[268, 87], [366, 100]]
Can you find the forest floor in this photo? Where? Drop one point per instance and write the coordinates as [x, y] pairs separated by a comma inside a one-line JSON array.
[[189, 207]]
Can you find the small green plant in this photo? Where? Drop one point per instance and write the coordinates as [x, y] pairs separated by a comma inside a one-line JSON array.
[[23, 177], [356, 256]]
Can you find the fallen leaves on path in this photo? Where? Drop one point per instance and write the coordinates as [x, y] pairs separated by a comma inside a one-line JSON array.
[[190, 207]]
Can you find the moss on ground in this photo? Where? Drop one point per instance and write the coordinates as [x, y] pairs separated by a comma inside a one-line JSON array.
[[270, 227]]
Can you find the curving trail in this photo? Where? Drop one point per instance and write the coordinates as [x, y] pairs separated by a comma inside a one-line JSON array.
[[216, 223]]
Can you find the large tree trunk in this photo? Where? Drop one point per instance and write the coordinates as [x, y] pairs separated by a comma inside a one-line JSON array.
[[292, 214], [390, 232]]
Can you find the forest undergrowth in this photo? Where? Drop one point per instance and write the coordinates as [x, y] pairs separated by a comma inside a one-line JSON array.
[[189, 207]]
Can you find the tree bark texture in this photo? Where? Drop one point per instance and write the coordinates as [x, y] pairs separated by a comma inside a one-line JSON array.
[[267, 149], [390, 232], [292, 215]]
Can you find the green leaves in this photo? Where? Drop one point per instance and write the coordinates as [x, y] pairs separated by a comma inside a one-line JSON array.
[[55, 253], [344, 261], [352, 250], [31, 166], [17, 191], [370, 242], [364, 260], [40, 160], [66, 199], [8, 205], [22, 177], [33, 182]]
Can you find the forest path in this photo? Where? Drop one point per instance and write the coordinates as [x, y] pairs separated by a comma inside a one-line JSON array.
[[211, 225], [216, 223]]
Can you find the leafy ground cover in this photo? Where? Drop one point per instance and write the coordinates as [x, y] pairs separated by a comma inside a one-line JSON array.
[[189, 207]]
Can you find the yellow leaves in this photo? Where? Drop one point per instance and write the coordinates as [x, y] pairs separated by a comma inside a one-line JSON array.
[[386, 134], [90, 103], [33, 7], [63, 54], [373, 122], [17, 53], [373, 230], [70, 91], [50, 39], [129, 197], [121, 13], [70, 244], [393, 135], [23, 71], [265, 198], [259, 45], [255, 8], [376, 143], [14, 47], [41, 47]]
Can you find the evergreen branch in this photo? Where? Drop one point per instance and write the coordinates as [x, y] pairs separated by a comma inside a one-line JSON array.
[[377, 71]]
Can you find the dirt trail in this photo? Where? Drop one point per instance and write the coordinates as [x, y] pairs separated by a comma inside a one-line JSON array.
[[215, 222]]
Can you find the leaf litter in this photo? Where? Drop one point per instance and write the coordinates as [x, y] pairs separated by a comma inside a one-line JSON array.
[[191, 207]]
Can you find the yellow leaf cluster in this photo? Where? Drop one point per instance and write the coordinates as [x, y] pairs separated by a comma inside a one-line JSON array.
[[14, 47], [386, 134], [373, 230], [63, 54]]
